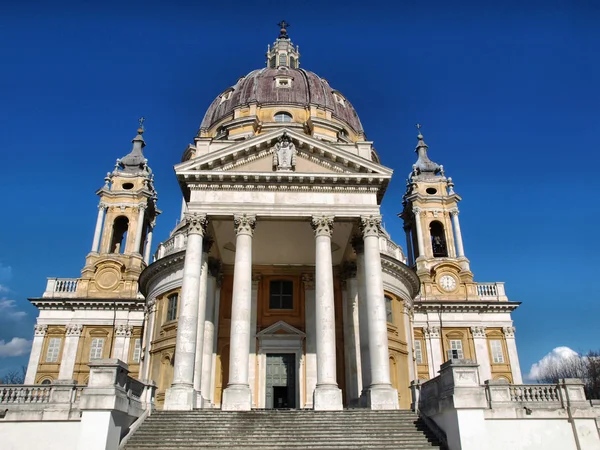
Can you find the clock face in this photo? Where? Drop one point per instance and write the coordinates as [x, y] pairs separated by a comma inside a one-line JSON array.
[[448, 283]]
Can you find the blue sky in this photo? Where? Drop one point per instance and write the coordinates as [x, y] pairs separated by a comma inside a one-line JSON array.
[[508, 96]]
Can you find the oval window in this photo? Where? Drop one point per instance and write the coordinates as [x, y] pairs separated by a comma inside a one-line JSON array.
[[431, 191], [283, 117], [127, 186]]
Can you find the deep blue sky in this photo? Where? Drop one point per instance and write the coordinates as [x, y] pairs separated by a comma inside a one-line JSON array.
[[508, 96]]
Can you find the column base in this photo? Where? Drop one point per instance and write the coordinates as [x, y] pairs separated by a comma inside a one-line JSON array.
[[237, 398], [182, 398], [327, 398], [381, 397]]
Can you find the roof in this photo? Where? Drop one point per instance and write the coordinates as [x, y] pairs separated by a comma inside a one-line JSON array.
[[307, 88]]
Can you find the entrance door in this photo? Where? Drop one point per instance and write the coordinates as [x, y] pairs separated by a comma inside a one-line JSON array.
[[280, 381]]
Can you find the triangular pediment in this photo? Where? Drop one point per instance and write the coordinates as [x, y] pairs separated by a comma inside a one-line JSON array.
[[255, 155], [280, 328]]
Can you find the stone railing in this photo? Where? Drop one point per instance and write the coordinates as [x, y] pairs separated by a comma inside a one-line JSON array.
[[174, 244], [390, 248], [534, 393], [491, 291], [61, 288], [57, 401]]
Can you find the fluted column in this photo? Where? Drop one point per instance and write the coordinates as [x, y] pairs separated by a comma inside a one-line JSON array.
[[513, 356], [181, 395], [36, 352], [381, 394], [363, 325], [459, 242], [209, 332], [98, 230], [140, 229], [147, 343], [238, 396], [200, 334], [69, 353], [417, 213], [327, 395]]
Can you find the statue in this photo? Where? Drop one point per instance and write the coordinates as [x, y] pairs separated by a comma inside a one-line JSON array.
[[284, 155]]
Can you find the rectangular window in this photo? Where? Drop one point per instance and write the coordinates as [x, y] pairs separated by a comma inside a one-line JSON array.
[[497, 353], [172, 307], [53, 350], [456, 349], [418, 352], [388, 309], [137, 350], [281, 294], [96, 348]]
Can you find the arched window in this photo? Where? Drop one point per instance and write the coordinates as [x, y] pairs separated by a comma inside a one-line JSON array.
[[292, 62], [119, 235], [272, 61], [438, 239], [282, 59], [282, 117], [47, 381], [389, 312]]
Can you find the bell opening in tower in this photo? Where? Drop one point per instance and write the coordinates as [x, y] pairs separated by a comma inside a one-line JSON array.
[[438, 240]]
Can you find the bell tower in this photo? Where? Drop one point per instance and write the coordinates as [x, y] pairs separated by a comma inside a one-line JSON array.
[[123, 236], [434, 241]]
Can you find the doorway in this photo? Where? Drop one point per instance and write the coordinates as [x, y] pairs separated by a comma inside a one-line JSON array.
[[280, 381]]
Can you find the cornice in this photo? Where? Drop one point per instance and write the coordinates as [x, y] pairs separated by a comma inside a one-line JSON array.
[[401, 271], [71, 304], [464, 306], [168, 262]]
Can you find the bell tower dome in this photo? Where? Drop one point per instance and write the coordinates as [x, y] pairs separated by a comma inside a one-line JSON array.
[[433, 235]]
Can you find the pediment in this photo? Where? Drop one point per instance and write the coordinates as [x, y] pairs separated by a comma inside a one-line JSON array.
[[255, 155], [280, 329]]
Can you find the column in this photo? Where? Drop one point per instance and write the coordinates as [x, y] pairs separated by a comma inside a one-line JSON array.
[[457, 233], [140, 229], [213, 375], [327, 395], [308, 280], [252, 349], [69, 353], [148, 249], [98, 230], [409, 250], [201, 324], [121, 342], [147, 344], [181, 395], [381, 394], [481, 353], [237, 396], [513, 356], [351, 335], [408, 327], [421, 246], [434, 349], [363, 325], [209, 337], [39, 331]]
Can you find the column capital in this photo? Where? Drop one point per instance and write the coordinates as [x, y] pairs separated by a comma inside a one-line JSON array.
[[478, 332], [40, 330], [207, 243], [197, 223], [417, 210], [308, 279], [256, 280], [142, 206], [370, 225], [432, 331], [322, 225], [454, 212], [102, 206], [509, 332], [123, 330], [244, 223], [358, 245], [74, 329]]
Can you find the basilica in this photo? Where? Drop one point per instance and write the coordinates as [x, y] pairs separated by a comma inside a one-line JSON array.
[[278, 288]]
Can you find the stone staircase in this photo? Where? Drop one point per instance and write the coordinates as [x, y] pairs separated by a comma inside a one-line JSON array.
[[283, 429]]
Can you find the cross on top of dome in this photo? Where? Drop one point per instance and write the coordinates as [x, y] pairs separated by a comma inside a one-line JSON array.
[[283, 53], [283, 31]]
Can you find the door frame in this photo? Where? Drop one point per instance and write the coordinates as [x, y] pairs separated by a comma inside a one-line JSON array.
[[281, 338]]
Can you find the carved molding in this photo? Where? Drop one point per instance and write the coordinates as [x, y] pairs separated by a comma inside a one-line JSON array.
[[322, 225], [370, 225], [74, 330], [478, 332], [40, 330], [197, 223], [123, 330], [509, 332], [244, 223], [432, 332]]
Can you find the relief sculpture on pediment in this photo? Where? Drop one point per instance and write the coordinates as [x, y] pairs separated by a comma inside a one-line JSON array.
[[284, 154]]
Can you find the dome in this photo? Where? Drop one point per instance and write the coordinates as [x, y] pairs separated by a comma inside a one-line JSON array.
[[301, 89]]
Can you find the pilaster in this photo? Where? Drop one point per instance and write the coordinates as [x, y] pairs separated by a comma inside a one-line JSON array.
[[39, 332], [69, 354]]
